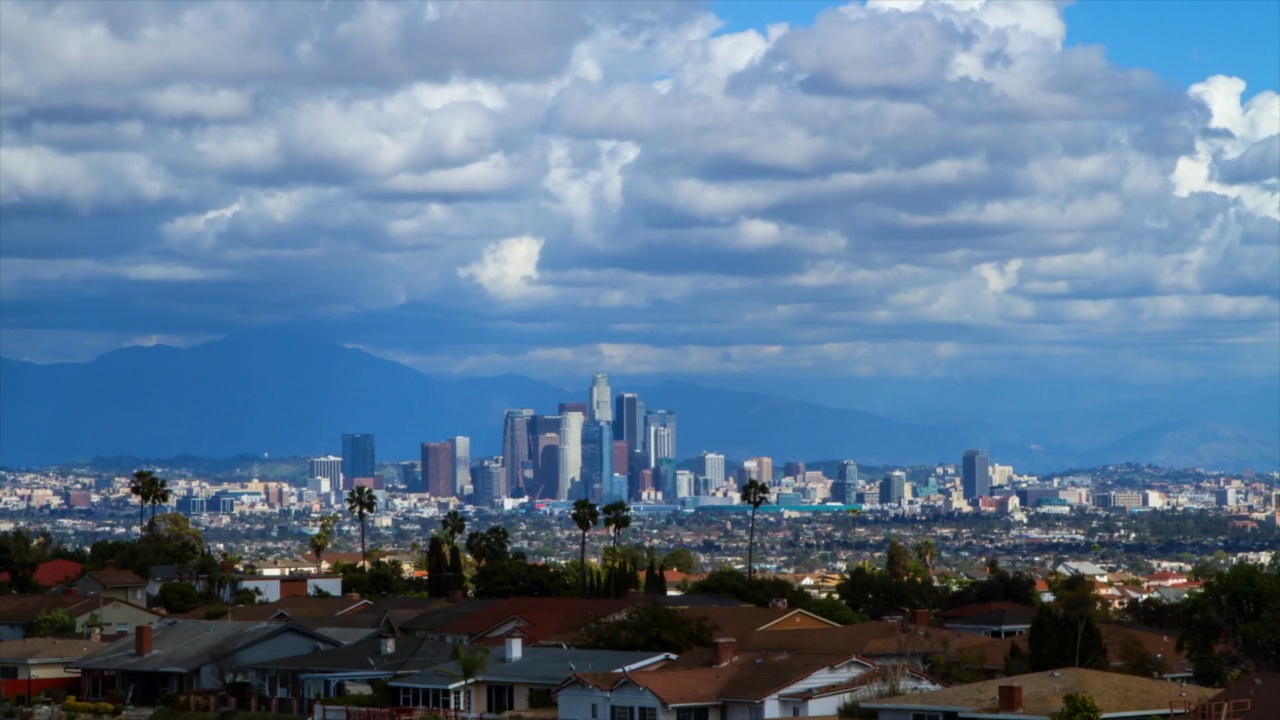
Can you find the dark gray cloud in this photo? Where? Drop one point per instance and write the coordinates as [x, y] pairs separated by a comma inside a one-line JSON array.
[[555, 187]]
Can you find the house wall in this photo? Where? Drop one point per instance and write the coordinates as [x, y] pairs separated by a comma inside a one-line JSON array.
[[13, 631], [117, 618], [269, 587], [799, 621], [333, 585], [575, 702], [286, 644]]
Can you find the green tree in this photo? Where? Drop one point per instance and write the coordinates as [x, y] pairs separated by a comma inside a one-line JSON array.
[[1077, 706], [898, 561], [55, 623], [649, 626], [682, 560], [1233, 624], [178, 597], [491, 545], [617, 517], [585, 515], [361, 503], [755, 494], [173, 540]]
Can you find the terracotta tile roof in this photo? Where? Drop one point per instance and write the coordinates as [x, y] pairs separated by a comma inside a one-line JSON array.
[[542, 617], [1042, 694], [739, 623], [56, 572], [978, 609], [117, 578], [25, 608], [45, 650]]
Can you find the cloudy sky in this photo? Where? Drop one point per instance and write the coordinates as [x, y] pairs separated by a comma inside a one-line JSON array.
[[551, 189]]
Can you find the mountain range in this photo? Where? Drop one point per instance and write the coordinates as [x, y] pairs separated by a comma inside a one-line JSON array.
[[283, 393]]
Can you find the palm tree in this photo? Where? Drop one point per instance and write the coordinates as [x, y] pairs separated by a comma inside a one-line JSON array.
[[453, 525], [159, 495], [586, 515], [754, 493], [927, 554], [617, 517], [323, 539], [361, 503], [319, 543], [141, 487]]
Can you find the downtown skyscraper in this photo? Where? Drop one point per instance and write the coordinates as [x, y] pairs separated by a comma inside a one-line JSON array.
[[439, 472], [600, 403], [516, 463], [359, 459], [975, 477], [660, 435]]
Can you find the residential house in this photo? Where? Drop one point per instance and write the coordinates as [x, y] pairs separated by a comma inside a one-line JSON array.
[[1086, 569], [431, 621], [273, 588], [729, 684], [1255, 696], [114, 617], [1038, 695], [997, 620], [534, 619], [32, 666], [281, 568], [179, 655], [113, 582], [511, 681], [329, 672]]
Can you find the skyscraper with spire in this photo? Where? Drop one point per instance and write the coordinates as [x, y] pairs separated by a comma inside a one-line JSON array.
[[600, 404]]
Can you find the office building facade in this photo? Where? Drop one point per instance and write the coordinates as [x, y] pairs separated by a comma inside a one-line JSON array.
[[359, 459], [628, 421], [461, 465], [660, 435], [893, 488], [570, 474], [516, 461], [439, 473], [711, 466], [597, 460], [975, 477]]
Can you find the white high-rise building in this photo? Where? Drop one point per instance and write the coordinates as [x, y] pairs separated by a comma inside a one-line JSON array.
[[462, 465], [711, 466], [570, 453], [601, 404], [329, 467]]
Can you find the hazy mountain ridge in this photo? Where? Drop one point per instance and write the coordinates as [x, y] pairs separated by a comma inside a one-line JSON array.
[[293, 395]]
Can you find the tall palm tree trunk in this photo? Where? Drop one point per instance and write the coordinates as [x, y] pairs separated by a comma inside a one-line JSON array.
[[142, 517], [751, 546], [613, 579], [364, 560], [582, 566]]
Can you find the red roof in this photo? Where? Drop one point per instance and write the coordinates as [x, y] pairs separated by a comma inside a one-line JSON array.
[[978, 609], [538, 618], [56, 572]]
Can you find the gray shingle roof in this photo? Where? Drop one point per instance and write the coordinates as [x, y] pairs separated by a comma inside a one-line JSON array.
[[537, 666], [186, 645]]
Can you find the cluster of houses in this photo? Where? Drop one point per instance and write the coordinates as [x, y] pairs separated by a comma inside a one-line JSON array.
[[296, 652]]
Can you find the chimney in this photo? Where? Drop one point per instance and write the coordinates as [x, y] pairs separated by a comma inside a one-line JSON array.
[[920, 618], [387, 646], [1010, 698], [724, 651], [354, 596], [142, 640], [514, 649]]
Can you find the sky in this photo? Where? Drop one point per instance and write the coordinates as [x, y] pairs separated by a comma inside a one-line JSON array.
[[891, 190]]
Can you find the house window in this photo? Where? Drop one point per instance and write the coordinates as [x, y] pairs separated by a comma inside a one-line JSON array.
[[8, 672], [595, 711], [795, 711], [756, 712], [698, 713], [622, 712], [926, 716], [647, 713], [501, 698]]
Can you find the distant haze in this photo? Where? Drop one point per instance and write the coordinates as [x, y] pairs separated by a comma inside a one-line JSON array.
[[287, 393]]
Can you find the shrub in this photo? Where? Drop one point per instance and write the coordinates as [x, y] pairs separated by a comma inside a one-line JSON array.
[[104, 708]]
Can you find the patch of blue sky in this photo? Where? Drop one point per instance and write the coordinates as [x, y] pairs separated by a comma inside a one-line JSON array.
[[1184, 41]]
